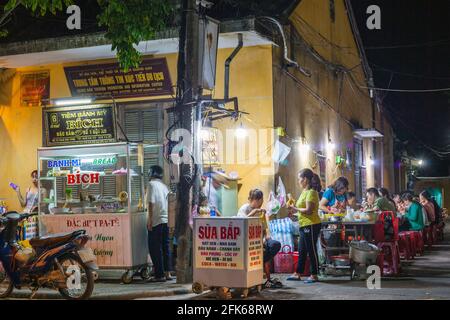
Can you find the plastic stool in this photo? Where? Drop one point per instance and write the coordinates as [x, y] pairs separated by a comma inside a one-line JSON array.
[[404, 245], [419, 242], [391, 265], [413, 242]]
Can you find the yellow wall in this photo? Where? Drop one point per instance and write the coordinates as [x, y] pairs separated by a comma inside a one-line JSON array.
[[21, 127], [251, 82], [304, 115]]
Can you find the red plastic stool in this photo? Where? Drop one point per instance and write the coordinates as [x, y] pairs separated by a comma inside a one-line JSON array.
[[427, 237], [413, 243], [419, 243], [404, 245], [391, 265]]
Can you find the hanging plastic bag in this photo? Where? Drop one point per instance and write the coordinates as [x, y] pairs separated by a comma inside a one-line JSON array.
[[281, 151], [273, 205], [281, 192]]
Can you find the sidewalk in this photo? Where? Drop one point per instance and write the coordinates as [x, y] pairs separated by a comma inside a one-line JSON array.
[[109, 287]]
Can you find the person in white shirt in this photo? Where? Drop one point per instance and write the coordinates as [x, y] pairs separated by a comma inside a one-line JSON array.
[[211, 190], [158, 230], [270, 246]]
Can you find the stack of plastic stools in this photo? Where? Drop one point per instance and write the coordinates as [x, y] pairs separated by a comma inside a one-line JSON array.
[[404, 244], [391, 257], [413, 242], [389, 247]]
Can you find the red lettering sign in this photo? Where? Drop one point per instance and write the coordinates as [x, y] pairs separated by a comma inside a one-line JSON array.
[[83, 178]]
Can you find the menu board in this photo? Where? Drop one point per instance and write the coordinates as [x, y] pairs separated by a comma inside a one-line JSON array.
[[79, 125], [151, 78], [255, 245], [219, 244]]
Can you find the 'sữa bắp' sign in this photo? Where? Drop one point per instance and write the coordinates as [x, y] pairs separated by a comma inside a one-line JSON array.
[[151, 78], [79, 125]]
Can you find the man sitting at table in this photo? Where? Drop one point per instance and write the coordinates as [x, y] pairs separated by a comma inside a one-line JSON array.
[[378, 203]]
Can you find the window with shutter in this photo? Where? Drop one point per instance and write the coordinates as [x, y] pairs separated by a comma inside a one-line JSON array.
[[144, 124]]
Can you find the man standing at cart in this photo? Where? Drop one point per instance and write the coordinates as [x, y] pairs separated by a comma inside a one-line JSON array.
[[158, 230]]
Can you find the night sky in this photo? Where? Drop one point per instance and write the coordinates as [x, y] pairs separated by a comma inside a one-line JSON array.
[[412, 51]]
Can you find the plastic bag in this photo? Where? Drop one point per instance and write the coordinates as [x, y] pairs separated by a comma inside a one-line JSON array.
[[281, 192], [281, 151], [273, 205]]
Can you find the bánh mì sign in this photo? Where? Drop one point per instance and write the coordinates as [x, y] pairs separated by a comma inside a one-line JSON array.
[[79, 125], [151, 78]]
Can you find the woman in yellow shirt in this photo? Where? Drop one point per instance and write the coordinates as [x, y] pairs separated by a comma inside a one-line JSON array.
[[307, 210]]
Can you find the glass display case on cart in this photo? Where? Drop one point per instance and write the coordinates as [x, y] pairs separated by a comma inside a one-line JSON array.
[[99, 188]]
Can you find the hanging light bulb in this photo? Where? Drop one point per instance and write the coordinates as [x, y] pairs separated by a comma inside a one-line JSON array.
[[241, 133]]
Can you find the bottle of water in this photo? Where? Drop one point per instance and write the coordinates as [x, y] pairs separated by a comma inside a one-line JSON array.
[[212, 212]]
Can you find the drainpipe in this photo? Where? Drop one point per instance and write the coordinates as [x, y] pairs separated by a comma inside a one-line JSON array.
[[227, 66]]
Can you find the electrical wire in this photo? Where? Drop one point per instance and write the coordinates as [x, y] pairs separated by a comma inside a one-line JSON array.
[[407, 90], [413, 45], [375, 66]]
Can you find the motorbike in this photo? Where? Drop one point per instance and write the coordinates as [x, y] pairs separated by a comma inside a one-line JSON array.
[[60, 261]]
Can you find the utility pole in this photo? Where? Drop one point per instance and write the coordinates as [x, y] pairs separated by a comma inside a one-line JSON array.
[[188, 113]]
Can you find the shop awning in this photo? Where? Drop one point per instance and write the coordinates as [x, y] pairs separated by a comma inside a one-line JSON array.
[[367, 133]]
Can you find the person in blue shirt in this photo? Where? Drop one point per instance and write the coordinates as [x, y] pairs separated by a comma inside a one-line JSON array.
[[334, 199]]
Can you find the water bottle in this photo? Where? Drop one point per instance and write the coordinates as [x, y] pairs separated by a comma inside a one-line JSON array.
[[212, 212]]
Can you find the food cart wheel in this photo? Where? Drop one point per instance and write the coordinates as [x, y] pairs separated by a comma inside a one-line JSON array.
[[127, 277], [197, 288], [223, 293], [95, 275], [259, 288], [244, 292], [145, 273]]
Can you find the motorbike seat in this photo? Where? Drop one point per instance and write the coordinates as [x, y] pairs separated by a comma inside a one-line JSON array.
[[52, 239]]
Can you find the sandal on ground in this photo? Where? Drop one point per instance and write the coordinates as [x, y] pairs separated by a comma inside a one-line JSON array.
[[273, 284], [157, 280]]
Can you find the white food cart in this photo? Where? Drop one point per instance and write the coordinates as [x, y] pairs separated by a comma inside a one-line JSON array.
[[99, 188], [228, 254]]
